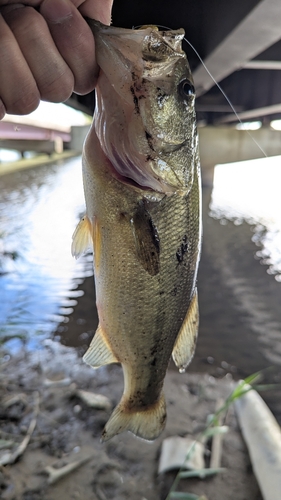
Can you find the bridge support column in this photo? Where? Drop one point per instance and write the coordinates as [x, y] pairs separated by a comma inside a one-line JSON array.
[[227, 144]]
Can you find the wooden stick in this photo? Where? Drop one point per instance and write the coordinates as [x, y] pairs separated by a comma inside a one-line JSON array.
[[56, 474]]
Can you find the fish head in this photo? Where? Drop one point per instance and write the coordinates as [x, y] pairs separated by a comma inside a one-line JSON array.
[[145, 106]]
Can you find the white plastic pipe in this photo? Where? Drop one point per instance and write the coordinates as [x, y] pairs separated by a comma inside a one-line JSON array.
[[262, 435]]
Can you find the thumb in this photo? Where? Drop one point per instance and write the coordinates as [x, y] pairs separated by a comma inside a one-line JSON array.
[[73, 37], [96, 9]]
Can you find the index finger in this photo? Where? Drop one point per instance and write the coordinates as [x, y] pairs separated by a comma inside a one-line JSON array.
[[74, 38]]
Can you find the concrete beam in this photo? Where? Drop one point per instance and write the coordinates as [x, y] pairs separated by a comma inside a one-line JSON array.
[[216, 108], [28, 145], [258, 31], [256, 64], [252, 113], [12, 128], [226, 145], [20, 121]]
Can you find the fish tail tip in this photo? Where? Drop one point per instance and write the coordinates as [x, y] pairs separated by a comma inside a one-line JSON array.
[[147, 423]]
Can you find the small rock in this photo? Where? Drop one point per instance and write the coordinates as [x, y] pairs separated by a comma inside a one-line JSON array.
[[94, 400]]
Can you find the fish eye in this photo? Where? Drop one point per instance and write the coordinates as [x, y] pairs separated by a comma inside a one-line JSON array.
[[186, 89]]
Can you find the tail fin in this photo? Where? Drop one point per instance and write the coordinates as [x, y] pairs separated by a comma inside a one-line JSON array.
[[147, 423]]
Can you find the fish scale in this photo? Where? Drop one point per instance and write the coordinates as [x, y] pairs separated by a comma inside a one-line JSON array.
[[145, 228]]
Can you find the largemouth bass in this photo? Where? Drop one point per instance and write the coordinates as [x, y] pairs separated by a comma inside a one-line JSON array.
[[142, 188]]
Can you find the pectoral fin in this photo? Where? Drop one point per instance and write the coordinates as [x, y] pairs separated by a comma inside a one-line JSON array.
[[82, 238], [99, 352], [186, 340], [87, 236], [146, 240]]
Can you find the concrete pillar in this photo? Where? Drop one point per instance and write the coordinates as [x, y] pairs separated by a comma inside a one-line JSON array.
[[226, 145], [78, 135], [58, 144]]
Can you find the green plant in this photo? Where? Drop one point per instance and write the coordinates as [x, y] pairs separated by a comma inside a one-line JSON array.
[[212, 428]]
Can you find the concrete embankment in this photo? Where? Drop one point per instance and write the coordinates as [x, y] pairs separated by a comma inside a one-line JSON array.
[[42, 159]]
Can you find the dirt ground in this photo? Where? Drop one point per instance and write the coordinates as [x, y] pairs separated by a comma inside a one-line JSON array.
[[41, 389], [44, 422]]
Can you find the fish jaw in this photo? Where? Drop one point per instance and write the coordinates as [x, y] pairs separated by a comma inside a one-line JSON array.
[[143, 120]]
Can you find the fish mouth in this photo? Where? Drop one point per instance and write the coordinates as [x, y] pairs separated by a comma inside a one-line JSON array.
[[148, 43], [173, 37]]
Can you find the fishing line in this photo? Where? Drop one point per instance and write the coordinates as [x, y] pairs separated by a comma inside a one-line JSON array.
[[226, 97], [218, 85]]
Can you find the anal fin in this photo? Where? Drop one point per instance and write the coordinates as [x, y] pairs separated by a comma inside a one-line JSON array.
[[99, 352], [186, 340]]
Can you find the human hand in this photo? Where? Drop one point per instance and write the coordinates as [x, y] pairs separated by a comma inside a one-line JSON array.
[[47, 51]]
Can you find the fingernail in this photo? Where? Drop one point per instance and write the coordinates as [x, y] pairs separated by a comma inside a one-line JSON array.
[[2, 109], [56, 11]]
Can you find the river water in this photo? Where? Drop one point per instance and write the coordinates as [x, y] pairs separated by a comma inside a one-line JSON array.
[[39, 209], [239, 277], [42, 287]]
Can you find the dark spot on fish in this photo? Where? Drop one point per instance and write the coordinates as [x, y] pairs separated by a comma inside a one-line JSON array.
[[149, 139], [174, 291], [123, 215], [153, 350], [136, 101], [182, 250], [161, 292], [154, 361], [161, 96]]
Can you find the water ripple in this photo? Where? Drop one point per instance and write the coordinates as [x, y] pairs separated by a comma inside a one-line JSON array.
[[39, 209]]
